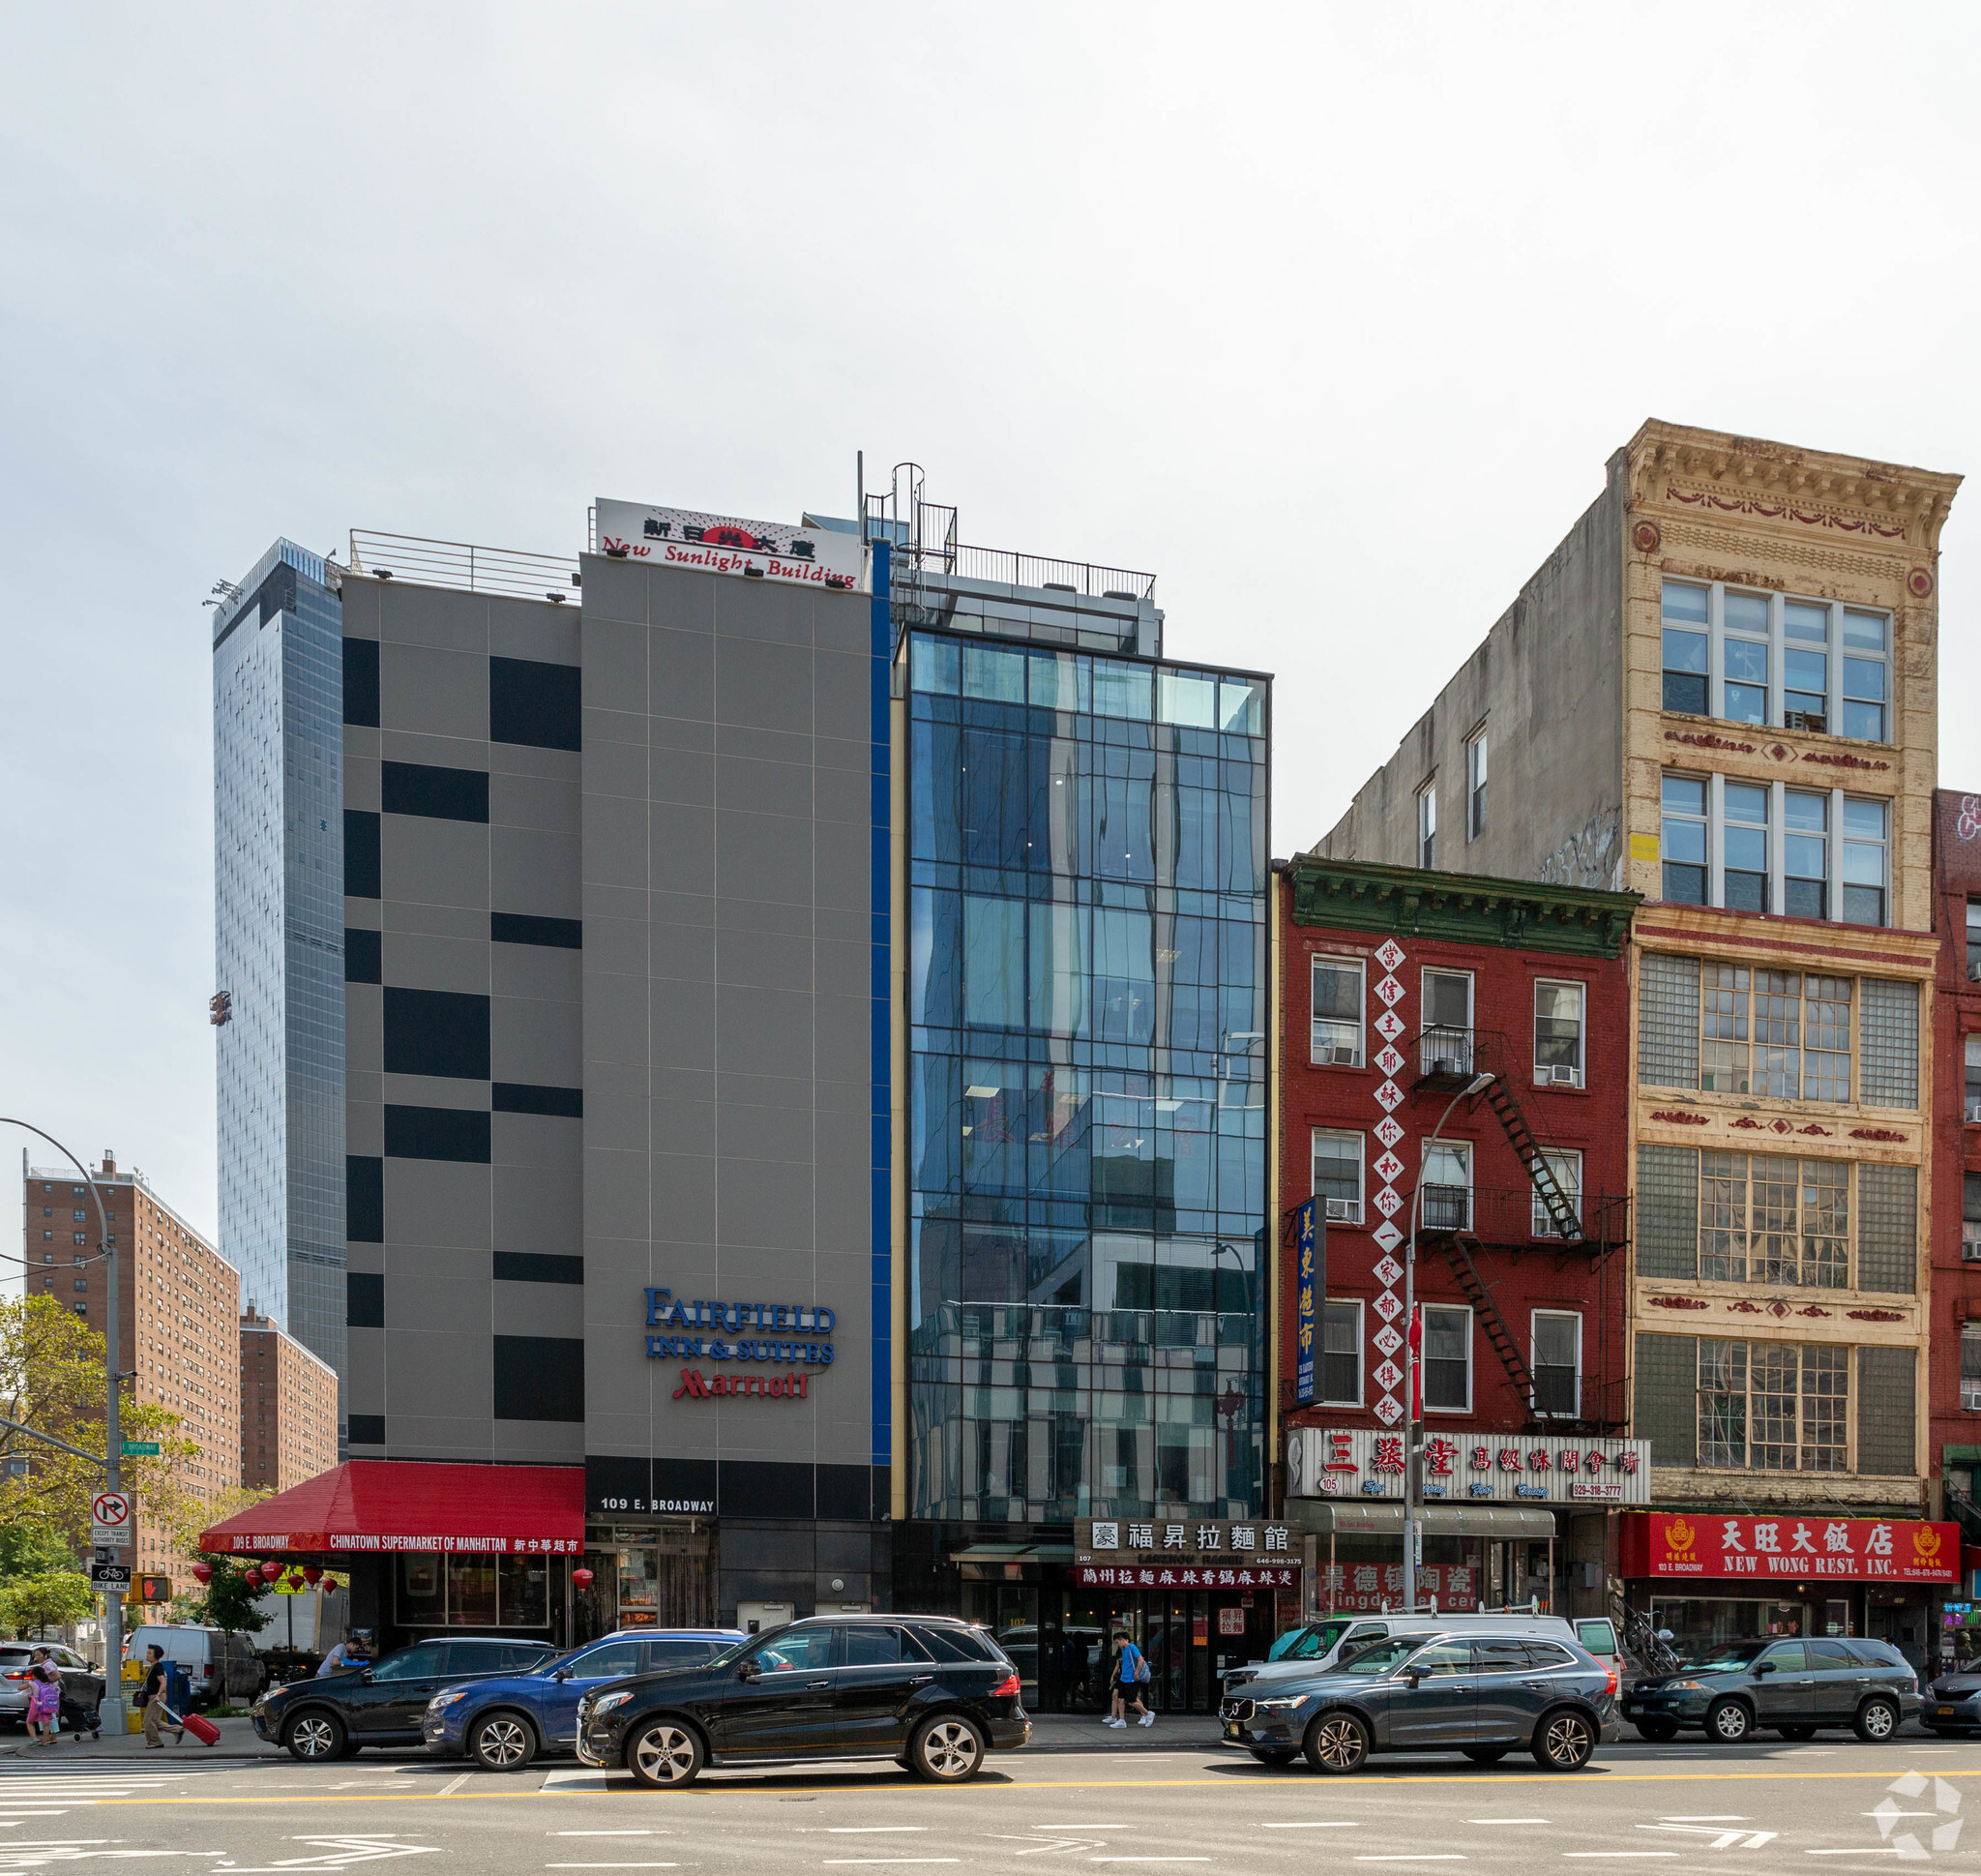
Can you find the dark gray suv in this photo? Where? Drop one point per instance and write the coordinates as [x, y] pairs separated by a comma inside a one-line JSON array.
[[1792, 1686], [1479, 1694]]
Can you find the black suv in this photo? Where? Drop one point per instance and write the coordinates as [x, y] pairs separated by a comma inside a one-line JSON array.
[[384, 1704], [932, 1692], [1793, 1686]]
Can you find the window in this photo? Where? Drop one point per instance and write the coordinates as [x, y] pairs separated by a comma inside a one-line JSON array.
[[1744, 659], [1744, 847], [1773, 1406], [1685, 649], [1865, 689], [1341, 1354], [1774, 1032], [1865, 828], [1566, 1165], [1445, 1046], [1973, 946], [1774, 1221], [1446, 1201], [1970, 1367], [794, 1648], [1338, 1175], [1338, 1034], [1476, 785], [1427, 823], [1558, 1034], [1557, 1363], [1971, 1097], [1683, 839], [1447, 1359], [1970, 1217], [1805, 853]]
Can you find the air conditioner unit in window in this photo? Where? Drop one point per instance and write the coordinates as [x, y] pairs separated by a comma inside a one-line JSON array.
[[1344, 1054], [1563, 1071], [1971, 1246], [1447, 1065], [1343, 1211]]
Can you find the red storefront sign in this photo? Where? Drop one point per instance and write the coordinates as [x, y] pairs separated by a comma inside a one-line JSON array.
[[1670, 1544], [1177, 1576]]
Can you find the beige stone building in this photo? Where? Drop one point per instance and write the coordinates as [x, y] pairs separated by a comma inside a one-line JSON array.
[[1719, 691], [288, 1408]]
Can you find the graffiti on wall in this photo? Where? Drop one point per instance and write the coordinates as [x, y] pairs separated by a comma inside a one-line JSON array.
[[1589, 856], [1969, 822]]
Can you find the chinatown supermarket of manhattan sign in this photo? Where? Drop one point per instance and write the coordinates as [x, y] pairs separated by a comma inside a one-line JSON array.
[[794, 1338], [726, 543], [1500, 1468], [1792, 1549]]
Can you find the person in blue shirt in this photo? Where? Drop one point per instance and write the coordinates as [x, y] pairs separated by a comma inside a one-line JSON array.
[[1130, 1674]]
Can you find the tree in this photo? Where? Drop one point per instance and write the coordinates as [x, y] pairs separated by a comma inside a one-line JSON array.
[[228, 1603], [47, 1599]]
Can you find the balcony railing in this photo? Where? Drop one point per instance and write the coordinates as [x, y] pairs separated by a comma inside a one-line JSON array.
[[464, 566], [1447, 1054], [1514, 1217]]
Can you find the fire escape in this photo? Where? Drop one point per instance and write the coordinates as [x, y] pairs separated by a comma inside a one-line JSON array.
[[1472, 1226]]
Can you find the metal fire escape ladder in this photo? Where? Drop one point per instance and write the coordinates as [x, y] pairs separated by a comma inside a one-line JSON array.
[[1457, 1253], [1561, 1211]]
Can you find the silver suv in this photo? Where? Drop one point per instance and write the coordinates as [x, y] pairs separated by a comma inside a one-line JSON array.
[[1321, 1646]]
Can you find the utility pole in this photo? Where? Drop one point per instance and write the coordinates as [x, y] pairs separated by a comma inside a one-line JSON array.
[[113, 1441]]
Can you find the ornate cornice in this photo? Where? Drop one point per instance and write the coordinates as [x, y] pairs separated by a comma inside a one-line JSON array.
[[1362, 896], [1812, 494]]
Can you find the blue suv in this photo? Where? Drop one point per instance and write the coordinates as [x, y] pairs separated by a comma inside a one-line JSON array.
[[503, 1723]]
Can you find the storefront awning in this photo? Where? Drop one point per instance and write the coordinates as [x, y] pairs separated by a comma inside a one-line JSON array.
[[392, 1504], [1353, 1518], [1014, 1554]]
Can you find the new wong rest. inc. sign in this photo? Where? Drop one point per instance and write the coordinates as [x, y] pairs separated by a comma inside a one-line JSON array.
[[728, 545], [1508, 1468], [1792, 1549]]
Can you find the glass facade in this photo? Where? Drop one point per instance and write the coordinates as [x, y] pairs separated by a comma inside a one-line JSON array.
[[279, 944], [1086, 857]]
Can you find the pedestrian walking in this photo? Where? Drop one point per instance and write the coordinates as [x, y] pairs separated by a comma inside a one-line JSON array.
[[1131, 1676], [151, 1696], [44, 1699]]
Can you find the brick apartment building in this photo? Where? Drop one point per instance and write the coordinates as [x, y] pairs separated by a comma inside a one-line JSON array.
[[179, 1303], [288, 1408], [1400, 989]]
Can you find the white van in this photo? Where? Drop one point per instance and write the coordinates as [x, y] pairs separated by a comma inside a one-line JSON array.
[[202, 1653], [1320, 1645]]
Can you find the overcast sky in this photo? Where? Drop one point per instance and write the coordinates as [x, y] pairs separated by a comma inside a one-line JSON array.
[[1328, 316]]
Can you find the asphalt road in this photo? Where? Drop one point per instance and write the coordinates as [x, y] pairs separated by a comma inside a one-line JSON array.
[[1765, 1807]]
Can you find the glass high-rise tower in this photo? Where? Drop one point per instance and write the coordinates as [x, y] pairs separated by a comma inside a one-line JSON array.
[[278, 680]]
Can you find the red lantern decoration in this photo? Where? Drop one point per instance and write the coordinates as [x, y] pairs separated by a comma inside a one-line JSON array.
[[312, 1575], [203, 1572], [330, 1585], [270, 1571], [295, 1582], [582, 1578]]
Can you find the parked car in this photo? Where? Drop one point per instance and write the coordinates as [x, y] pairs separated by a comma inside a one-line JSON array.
[[932, 1692], [1481, 1693], [218, 1664], [1792, 1686], [1328, 1642], [82, 1686], [504, 1723], [385, 1703], [1953, 1704]]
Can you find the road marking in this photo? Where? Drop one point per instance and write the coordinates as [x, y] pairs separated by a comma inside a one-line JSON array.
[[1317, 1824], [611, 1834], [1148, 1859], [1707, 1817], [833, 1862], [1619, 1853], [611, 1865], [1432, 1857], [1869, 1850], [1506, 1819], [867, 1829]]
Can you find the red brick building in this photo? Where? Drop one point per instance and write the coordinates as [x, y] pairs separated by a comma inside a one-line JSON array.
[[1401, 992], [1954, 1346]]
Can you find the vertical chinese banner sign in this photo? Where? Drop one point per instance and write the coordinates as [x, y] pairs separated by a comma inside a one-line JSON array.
[[1312, 1268]]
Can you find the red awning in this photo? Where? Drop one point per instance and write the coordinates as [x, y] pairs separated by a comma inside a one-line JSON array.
[[381, 1505]]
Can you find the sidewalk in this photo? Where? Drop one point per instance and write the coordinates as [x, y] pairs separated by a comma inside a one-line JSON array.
[[237, 1741], [1084, 1733]]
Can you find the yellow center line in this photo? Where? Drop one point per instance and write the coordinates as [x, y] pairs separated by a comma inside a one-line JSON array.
[[1242, 1784]]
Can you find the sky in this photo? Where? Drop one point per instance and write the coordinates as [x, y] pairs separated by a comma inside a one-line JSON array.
[[1328, 316]]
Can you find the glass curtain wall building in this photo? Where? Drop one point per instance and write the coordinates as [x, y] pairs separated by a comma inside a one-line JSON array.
[[1087, 877], [278, 883]]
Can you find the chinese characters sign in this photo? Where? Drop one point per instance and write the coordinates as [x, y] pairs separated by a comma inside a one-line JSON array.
[[726, 543], [1380, 1586], [1897, 1550], [1186, 1576], [1306, 1277], [1509, 1467], [1107, 1540]]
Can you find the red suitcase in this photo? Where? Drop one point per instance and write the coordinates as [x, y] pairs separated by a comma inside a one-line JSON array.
[[202, 1729]]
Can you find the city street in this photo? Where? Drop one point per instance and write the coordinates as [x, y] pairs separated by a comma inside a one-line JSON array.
[[1768, 1807]]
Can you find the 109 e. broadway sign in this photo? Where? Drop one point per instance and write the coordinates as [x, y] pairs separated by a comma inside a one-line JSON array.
[[1791, 1549], [1360, 1462]]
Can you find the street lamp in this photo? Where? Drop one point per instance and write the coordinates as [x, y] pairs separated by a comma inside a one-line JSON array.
[[114, 1439], [1413, 1443]]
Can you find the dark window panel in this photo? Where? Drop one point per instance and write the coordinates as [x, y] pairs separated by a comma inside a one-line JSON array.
[[845, 1492], [438, 1133], [364, 962], [360, 682], [533, 703], [436, 1032], [538, 1267], [519, 1097], [361, 854], [520, 928], [365, 1198], [764, 1488], [367, 1429], [539, 1378], [433, 793], [364, 1301]]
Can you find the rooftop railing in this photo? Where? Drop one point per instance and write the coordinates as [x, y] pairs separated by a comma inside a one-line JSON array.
[[464, 566]]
